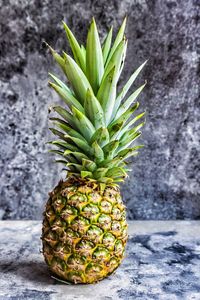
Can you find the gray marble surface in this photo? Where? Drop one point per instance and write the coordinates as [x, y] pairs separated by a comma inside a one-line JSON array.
[[164, 183], [162, 263]]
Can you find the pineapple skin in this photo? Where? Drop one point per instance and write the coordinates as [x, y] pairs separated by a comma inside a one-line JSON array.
[[84, 231]]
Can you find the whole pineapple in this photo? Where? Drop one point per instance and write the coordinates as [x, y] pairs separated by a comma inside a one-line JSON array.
[[84, 227]]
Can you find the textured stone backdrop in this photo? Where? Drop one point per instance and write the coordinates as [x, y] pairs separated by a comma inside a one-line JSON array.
[[164, 183]]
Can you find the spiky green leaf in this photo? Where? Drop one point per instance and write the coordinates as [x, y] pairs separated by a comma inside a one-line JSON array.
[[128, 140], [126, 153], [130, 132], [123, 118], [107, 93], [65, 115], [58, 133], [107, 180], [78, 155], [58, 58], [77, 78], [116, 172], [118, 39], [66, 128], [85, 174], [64, 145], [77, 167], [93, 110], [60, 83], [116, 60], [126, 88], [110, 148], [98, 152], [81, 144], [83, 50], [129, 101], [107, 45], [67, 97], [128, 126], [123, 153], [101, 135], [89, 165], [61, 161], [83, 124], [111, 163], [76, 49], [94, 58], [115, 130], [100, 172], [58, 152]]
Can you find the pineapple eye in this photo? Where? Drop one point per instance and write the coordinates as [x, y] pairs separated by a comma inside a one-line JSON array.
[[116, 226], [81, 221], [119, 199], [58, 205], [112, 264], [59, 265], [101, 253], [76, 277], [50, 215], [68, 191], [108, 238], [117, 214], [110, 194], [71, 188], [72, 234], [94, 231], [106, 206], [119, 247], [91, 209], [94, 197], [85, 245], [80, 224], [69, 210], [61, 249], [104, 219], [93, 268], [124, 232], [76, 260], [69, 213], [77, 198]]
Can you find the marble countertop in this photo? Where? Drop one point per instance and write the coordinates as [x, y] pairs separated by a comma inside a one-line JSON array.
[[162, 262]]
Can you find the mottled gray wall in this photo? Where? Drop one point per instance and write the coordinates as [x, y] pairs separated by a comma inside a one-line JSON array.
[[164, 182]]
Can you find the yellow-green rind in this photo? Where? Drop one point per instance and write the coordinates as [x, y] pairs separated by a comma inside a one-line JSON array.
[[84, 231]]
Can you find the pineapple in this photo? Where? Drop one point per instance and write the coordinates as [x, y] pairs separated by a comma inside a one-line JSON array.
[[84, 227]]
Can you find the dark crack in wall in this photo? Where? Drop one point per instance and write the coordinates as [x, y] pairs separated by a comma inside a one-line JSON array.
[[164, 182]]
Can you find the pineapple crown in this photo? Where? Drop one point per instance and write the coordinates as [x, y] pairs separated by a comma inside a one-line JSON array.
[[95, 132]]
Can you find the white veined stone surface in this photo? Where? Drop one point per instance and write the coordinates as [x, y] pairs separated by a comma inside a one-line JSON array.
[[162, 263]]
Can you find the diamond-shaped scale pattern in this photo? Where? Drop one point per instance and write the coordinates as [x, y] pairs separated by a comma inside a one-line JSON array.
[[84, 231]]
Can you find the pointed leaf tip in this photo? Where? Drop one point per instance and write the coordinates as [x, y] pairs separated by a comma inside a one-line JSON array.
[[94, 57], [107, 45], [75, 47]]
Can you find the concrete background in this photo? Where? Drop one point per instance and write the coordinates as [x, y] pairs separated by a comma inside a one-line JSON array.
[[164, 183]]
